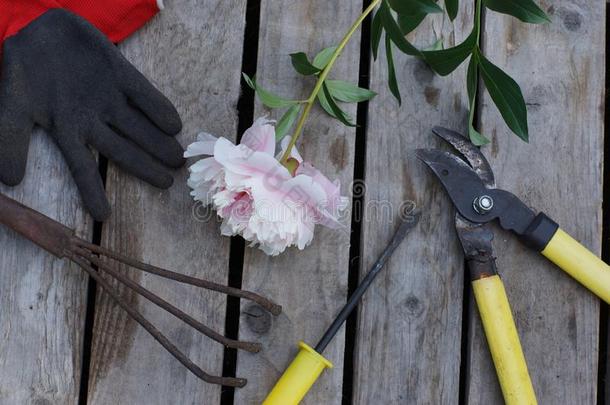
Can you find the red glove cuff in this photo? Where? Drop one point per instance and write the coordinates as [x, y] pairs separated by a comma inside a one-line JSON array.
[[16, 14], [116, 18]]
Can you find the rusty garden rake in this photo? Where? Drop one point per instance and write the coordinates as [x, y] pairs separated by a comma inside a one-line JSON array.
[[63, 243]]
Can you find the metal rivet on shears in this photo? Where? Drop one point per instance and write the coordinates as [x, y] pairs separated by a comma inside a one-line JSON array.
[[483, 204]]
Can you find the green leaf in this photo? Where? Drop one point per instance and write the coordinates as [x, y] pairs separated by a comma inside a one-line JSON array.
[[472, 77], [392, 82], [415, 6], [330, 106], [323, 57], [267, 98], [348, 92], [476, 137], [302, 65], [507, 96], [446, 61], [525, 10], [408, 7], [472, 81], [285, 123], [394, 32], [249, 81], [376, 31], [436, 46], [408, 22], [452, 7]]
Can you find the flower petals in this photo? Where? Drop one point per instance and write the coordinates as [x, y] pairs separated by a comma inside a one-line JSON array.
[[260, 136], [203, 146], [257, 197], [294, 153]]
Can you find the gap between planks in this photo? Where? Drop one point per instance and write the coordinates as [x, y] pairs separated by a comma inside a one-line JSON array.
[[245, 107]]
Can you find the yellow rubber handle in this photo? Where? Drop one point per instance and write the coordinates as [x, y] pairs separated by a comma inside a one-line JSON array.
[[580, 263], [503, 341], [298, 377]]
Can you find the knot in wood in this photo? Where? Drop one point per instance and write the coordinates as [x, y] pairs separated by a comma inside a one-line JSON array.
[[257, 319]]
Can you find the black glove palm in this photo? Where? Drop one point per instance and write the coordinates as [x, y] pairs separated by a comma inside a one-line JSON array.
[[64, 75]]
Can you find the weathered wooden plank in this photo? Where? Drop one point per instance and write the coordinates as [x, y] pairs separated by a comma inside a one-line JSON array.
[[310, 284], [192, 52], [409, 325], [43, 299], [560, 67]]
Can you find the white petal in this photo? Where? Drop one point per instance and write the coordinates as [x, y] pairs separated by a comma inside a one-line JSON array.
[[260, 136], [294, 153], [203, 146]]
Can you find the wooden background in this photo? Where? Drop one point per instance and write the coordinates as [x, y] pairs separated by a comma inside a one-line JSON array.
[[417, 338]]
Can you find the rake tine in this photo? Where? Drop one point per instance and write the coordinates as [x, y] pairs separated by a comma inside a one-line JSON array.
[[269, 305], [155, 333], [212, 334]]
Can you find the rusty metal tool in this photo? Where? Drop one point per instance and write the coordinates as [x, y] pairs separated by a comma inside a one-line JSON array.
[[471, 187], [62, 242], [309, 363], [490, 295], [475, 197]]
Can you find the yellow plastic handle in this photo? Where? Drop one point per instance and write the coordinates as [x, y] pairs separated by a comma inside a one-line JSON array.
[[503, 341], [298, 377], [580, 263]]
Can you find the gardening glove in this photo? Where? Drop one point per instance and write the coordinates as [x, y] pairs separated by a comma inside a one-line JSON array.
[[115, 18], [61, 73]]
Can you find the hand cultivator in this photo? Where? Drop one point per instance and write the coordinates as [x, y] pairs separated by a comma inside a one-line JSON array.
[[62, 242]]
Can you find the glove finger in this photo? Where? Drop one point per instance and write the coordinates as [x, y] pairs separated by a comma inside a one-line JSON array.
[[152, 102], [15, 129], [135, 126], [87, 177], [14, 144], [129, 157]]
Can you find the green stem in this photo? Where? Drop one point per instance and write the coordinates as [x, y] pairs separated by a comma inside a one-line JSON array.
[[322, 77], [477, 20], [475, 55]]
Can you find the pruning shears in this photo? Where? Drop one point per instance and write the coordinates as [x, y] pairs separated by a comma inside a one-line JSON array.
[[309, 362], [471, 187]]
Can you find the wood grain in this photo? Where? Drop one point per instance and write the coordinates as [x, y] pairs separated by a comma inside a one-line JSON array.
[[560, 67], [409, 324], [43, 299], [310, 284], [192, 52]]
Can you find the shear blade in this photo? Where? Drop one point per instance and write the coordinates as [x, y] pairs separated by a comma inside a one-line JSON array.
[[471, 153], [462, 183], [464, 186]]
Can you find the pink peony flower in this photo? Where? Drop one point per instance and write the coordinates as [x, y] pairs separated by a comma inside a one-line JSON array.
[[259, 198]]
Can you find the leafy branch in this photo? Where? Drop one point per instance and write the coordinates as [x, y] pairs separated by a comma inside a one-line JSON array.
[[326, 94], [396, 19], [504, 91]]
